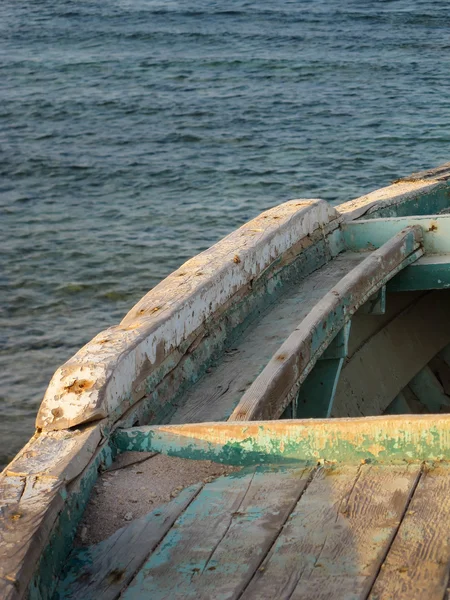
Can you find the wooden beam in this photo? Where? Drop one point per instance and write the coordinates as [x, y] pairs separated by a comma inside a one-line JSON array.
[[413, 195], [429, 391], [385, 363], [386, 439], [316, 395], [373, 233], [278, 383], [33, 495], [116, 369], [376, 304], [428, 273], [416, 566]]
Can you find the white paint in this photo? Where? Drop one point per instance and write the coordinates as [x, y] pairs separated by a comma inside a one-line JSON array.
[[110, 364]]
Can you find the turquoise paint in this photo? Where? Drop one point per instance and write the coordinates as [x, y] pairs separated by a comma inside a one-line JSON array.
[[373, 233], [160, 403], [427, 203], [376, 304], [426, 274], [212, 505], [82, 560], [303, 446], [54, 557], [316, 395], [338, 347]]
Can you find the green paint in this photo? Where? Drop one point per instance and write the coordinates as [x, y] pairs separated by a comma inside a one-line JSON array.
[[316, 395], [303, 444], [420, 203], [61, 539], [373, 233], [376, 304], [429, 273], [161, 401]]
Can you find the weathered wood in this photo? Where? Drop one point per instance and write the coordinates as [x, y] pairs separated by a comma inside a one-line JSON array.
[[108, 374], [222, 537], [376, 304], [429, 391], [383, 439], [442, 172], [24, 532], [32, 498], [316, 396], [54, 554], [216, 395], [424, 196], [441, 367], [270, 393], [428, 273], [340, 530], [338, 347], [58, 454], [392, 357], [373, 233], [417, 565], [104, 570], [365, 327], [399, 406]]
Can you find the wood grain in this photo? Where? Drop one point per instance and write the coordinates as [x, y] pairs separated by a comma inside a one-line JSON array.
[[392, 357], [270, 393], [222, 538], [216, 395], [418, 562], [104, 570], [336, 538]]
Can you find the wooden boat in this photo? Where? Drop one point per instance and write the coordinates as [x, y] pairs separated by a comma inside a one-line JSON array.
[[310, 349]]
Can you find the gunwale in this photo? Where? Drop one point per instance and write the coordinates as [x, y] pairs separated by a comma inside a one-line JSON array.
[[38, 493]]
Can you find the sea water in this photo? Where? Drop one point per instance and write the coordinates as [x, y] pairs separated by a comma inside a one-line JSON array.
[[136, 133]]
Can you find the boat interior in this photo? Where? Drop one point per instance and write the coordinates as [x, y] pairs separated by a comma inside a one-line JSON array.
[[268, 422]]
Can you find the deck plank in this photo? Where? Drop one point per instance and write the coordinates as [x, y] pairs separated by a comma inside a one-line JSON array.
[[222, 538], [105, 569], [215, 396], [335, 540], [417, 565]]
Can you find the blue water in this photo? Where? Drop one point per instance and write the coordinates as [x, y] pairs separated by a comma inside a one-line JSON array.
[[135, 133]]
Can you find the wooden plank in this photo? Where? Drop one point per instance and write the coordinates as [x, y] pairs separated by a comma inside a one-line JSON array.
[[392, 357], [108, 375], [399, 406], [58, 454], [384, 439], [222, 537], [428, 273], [216, 395], [417, 565], [404, 197], [33, 496], [335, 540], [441, 173], [275, 387], [24, 531], [374, 233], [429, 391], [442, 368], [104, 570]]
